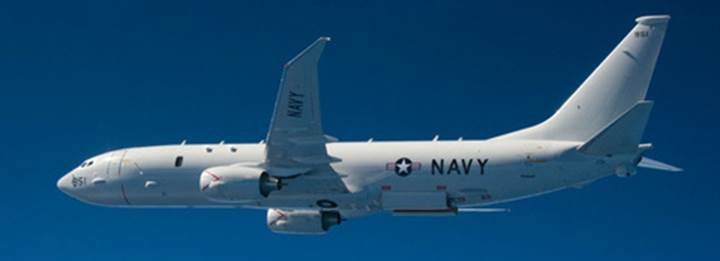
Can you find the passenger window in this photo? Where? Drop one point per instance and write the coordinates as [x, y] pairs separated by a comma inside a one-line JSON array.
[[178, 161], [90, 163]]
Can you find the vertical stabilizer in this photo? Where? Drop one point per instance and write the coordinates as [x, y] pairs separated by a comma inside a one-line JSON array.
[[616, 85]]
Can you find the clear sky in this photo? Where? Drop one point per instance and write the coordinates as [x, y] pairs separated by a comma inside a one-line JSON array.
[[82, 77]]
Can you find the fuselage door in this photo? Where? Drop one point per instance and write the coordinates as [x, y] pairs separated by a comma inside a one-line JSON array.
[[114, 164]]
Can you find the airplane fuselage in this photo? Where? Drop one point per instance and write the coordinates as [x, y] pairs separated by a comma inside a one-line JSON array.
[[471, 173]]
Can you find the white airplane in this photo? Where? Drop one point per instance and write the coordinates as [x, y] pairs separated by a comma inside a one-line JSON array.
[[308, 181]]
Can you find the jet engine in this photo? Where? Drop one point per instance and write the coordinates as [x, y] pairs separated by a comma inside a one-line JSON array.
[[302, 222], [237, 183]]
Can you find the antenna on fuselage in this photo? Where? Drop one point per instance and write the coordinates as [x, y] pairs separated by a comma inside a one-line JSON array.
[[436, 137], [222, 142], [182, 143], [371, 140]]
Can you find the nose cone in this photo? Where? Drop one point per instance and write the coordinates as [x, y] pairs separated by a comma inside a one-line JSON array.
[[76, 186], [64, 184]]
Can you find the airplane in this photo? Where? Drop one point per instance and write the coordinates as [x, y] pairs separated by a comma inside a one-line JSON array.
[[308, 181]]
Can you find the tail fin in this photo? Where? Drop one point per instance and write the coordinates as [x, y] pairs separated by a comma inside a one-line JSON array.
[[616, 85]]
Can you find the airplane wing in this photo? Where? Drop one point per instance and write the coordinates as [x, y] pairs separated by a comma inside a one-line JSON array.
[[295, 143]]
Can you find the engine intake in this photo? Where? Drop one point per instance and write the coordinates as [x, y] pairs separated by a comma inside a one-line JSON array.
[[237, 183], [302, 222]]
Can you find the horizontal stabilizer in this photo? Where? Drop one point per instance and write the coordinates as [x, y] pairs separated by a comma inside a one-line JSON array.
[[656, 165], [484, 210], [623, 134]]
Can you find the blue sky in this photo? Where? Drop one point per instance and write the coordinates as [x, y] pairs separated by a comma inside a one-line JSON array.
[[82, 77]]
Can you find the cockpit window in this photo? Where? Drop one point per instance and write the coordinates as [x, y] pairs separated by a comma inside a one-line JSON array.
[[87, 163]]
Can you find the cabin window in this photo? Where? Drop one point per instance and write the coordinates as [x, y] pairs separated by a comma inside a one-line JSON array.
[[233, 149], [178, 161], [208, 149]]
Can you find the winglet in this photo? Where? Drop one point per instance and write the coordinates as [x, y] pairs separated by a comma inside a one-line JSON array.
[[315, 49]]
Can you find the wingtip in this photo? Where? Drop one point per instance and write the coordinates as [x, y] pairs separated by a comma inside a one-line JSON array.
[[325, 38]]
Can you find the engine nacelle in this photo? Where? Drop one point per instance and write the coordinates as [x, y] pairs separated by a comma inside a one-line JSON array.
[[237, 183], [302, 222]]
